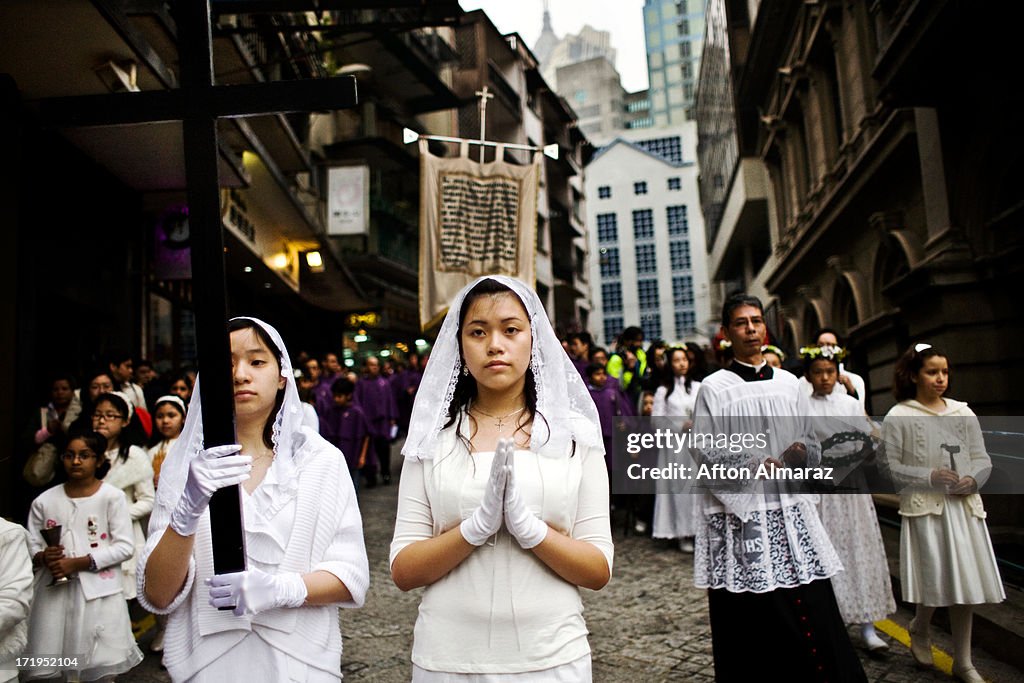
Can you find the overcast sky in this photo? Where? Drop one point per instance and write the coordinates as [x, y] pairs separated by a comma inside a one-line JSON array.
[[623, 18]]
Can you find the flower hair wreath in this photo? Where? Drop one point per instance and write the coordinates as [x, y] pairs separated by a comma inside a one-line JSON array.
[[771, 348], [827, 352]]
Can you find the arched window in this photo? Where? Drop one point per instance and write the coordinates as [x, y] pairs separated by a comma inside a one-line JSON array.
[[844, 306]]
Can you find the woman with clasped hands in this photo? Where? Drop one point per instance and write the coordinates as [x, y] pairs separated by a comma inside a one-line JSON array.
[[503, 502], [303, 535]]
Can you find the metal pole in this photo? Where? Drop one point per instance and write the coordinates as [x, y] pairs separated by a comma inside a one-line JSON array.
[[484, 95]]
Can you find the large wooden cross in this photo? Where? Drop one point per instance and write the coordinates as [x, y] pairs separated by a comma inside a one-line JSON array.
[[198, 103]]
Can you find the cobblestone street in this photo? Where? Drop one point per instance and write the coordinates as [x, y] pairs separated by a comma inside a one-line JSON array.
[[648, 624]]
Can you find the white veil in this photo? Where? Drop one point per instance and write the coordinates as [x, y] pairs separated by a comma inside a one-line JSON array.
[[563, 400], [174, 471]]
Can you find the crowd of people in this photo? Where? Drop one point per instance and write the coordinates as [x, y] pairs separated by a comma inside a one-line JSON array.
[[504, 508]]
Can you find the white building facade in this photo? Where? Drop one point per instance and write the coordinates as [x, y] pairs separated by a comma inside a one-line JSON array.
[[648, 263]]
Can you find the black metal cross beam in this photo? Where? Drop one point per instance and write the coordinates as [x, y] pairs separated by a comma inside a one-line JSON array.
[[198, 103]]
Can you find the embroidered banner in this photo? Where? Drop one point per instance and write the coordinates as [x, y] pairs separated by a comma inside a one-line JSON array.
[[475, 219]]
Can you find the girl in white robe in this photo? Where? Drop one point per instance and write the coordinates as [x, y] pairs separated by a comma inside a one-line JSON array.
[[86, 618], [935, 454], [863, 589], [675, 513], [503, 500], [305, 555]]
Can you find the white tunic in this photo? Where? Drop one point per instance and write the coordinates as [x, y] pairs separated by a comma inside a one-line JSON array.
[[946, 555], [856, 380], [758, 538], [88, 615], [308, 504], [675, 513], [134, 476], [863, 590], [502, 610], [15, 596]]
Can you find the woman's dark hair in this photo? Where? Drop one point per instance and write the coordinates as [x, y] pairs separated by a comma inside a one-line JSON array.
[[263, 336], [826, 330], [466, 389], [157, 436], [907, 367], [97, 443], [668, 379], [132, 434], [699, 364]]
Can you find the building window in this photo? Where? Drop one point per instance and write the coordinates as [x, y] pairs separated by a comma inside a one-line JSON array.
[[611, 297], [682, 290], [612, 329], [687, 69], [651, 324], [684, 27], [640, 123], [610, 262], [646, 259], [638, 105], [647, 292], [684, 49], [686, 323], [669, 149], [679, 255], [604, 192], [643, 224], [640, 187], [678, 223], [675, 183], [607, 228]]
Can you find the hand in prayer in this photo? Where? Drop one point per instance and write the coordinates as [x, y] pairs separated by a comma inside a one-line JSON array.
[[524, 526], [486, 519]]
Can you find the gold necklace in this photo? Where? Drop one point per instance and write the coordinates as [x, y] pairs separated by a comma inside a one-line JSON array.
[[500, 420]]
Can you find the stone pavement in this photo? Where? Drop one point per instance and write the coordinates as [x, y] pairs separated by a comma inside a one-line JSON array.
[[648, 624]]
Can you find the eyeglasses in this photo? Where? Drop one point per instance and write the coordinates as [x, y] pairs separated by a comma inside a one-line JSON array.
[[109, 417], [83, 456]]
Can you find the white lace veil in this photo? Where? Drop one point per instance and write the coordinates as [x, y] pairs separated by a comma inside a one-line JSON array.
[[174, 471], [563, 400]]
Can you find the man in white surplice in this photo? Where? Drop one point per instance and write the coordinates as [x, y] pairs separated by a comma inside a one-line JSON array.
[[761, 551]]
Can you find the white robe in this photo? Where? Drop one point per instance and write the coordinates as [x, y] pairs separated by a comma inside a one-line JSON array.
[[757, 539], [863, 589], [675, 514]]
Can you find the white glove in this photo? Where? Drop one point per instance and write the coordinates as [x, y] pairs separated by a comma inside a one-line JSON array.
[[524, 526], [255, 591], [211, 469], [486, 519]]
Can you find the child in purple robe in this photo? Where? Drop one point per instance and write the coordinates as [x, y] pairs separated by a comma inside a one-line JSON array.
[[610, 402], [344, 424], [373, 395]]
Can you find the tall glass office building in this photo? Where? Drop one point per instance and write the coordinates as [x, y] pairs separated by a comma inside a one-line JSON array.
[[674, 32]]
